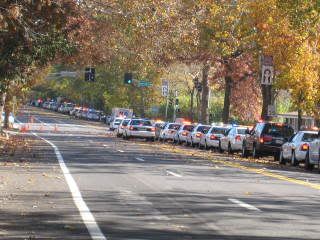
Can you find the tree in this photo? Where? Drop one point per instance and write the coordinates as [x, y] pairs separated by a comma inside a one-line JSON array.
[[32, 34]]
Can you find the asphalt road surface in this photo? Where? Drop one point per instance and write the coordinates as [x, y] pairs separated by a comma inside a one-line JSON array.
[[140, 190]]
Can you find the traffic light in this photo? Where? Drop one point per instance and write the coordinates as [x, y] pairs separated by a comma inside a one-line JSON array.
[[90, 74], [128, 79]]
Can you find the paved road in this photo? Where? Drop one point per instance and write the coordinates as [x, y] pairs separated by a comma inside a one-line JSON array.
[[139, 190]]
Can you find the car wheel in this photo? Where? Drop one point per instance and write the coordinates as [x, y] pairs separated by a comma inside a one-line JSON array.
[[294, 161], [244, 151], [179, 141], [192, 144], [307, 165], [200, 146], [229, 149], [255, 152], [282, 161]]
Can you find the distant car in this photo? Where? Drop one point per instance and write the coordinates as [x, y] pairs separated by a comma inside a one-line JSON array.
[[139, 128], [93, 115], [212, 138], [84, 113], [232, 140], [168, 131], [193, 139], [266, 139], [183, 133], [78, 113], [295, 150], [115, 123], [74, 111], [123, 125]]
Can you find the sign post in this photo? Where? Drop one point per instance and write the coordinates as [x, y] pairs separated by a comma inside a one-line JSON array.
[[165, 93]]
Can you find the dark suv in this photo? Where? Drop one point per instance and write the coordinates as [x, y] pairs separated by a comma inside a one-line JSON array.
[[266, 138]]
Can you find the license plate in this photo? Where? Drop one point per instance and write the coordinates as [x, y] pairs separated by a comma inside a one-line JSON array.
[[279, 141]]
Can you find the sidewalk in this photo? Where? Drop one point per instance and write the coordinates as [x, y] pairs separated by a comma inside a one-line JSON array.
[[35, 202]]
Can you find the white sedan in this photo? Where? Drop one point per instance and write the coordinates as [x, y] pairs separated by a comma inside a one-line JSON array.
[[195, 136], [232, 140], [139, 128], [297, 147], [11, 118], [212, 138], [169, 131]]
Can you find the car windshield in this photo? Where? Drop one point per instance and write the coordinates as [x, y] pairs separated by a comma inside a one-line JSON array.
[[174, 126], [118, 121], [309, 137], [125, 122], [241, 131], [140, 122], [219, 130], [277, 130], [188, 128], [202, 128]]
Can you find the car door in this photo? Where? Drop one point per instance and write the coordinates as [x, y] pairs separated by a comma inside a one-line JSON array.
[[224, 140], [314, 150], [288, 146]]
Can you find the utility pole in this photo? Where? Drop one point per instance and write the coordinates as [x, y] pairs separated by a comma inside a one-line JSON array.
[[175, 105]]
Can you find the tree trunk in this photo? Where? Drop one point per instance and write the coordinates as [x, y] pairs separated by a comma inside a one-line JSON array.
[[2, 103], [192, 104], [266, 101], [6, 118], [205, 95], [299, 119], [227, 96]]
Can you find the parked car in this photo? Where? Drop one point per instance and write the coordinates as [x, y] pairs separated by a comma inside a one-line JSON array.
[[139, 128], [93, 115], [123, 125], [74, 111], [313, 154], [212, 138], [115, 123], [232, 140], [168, 131], [266, 138], [197, 133], [295, 150], [78, 113], [182, 133]]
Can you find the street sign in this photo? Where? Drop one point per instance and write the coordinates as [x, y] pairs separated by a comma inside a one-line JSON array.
[[165, 88], [144, 84], [267, 75], [271, 110]]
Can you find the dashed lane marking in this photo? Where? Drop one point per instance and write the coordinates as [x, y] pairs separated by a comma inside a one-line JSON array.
[[140, 159], [243, 204], [174, 174]]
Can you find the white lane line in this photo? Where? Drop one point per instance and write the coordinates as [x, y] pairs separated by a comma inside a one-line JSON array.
[[243, 204], [120, 151], [174, 174], [86, 215], [140, 159], [105, 145]]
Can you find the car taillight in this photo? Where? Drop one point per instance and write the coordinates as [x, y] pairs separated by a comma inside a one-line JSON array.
[[304, 147], [198, 135], [131, 128], [213, 137], [153, 129], [265, 138], [122, 127], [238, 138], [184, 133]]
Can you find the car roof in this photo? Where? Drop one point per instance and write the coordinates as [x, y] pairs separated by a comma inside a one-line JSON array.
[[305, 131]]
